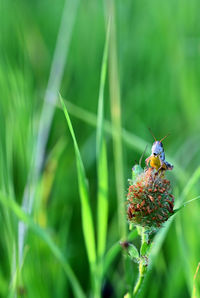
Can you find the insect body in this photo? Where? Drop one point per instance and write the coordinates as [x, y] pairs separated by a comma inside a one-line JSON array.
[[157, 157]]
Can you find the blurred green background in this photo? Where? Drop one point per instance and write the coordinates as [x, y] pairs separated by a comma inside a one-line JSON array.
[[48, 47]]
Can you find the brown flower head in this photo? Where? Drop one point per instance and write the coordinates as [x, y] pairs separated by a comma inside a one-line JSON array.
[[149, 199]]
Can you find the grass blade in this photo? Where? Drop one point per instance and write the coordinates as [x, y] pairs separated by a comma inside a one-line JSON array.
[[87, 221], [160, 237], [192, 181], [102, 200], [195, 291], [184, 255], [130, 139], [116, 122], [23, 216], [102, 169], [55, 78]]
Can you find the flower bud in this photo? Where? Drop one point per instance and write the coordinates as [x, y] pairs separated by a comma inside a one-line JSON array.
[[149, 199]]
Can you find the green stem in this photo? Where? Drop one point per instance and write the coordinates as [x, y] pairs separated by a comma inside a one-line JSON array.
[[96, 281], [142, 271], [142, 265]]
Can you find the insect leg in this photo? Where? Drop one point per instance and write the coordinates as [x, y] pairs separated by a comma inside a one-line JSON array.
[[161, 165], [169, 165], [147, 160]]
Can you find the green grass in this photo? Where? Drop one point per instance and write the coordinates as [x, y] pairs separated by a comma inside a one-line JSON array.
[[120, 68]]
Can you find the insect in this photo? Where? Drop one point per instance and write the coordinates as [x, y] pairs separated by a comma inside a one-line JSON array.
[[157, 157]]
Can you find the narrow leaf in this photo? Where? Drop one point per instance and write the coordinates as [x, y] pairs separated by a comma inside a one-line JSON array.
[[27, 219], [87, 221], [102, 169], [186, 203], [133, 252], [116, 120]]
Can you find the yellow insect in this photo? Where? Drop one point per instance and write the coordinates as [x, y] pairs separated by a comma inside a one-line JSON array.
[[157, 157]]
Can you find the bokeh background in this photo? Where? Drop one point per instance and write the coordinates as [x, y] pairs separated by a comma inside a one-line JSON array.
[[48, 47]]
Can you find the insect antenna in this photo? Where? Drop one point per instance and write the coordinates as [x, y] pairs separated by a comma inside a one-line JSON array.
[[140, 161], [165, 137], [152, 134]]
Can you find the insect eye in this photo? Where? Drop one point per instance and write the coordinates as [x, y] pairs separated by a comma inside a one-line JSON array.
[[154, 154]]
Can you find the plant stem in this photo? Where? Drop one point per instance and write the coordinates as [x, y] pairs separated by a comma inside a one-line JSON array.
[[142, 264]]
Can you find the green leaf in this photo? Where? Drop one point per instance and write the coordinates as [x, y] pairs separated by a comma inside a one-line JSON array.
[[144, 249], [102, 168], [183, 253], [115, 250], [136, 170], [192, 181], [133, 252], [87, 221], [27, 219], [116, 122]]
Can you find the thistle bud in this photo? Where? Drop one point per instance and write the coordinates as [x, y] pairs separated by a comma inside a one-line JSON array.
[[149, 199]]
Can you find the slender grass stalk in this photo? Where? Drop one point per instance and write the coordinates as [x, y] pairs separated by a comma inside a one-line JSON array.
[[115, 107], [102, 168], [115, 104], [182, 245], [187, 203], [28, 221], [191, 182], [87, 221], [184, 253], [102, 200], [55, 78], [6, 178], [195, 292]]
